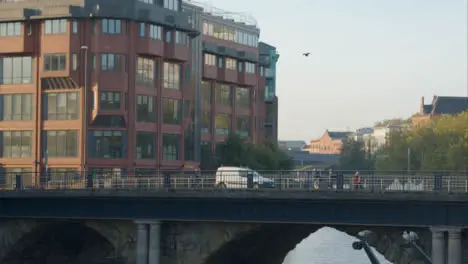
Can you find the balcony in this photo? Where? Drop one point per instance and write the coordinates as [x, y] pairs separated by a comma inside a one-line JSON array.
[[227, 75], [18, 44], [248, 79], [210, 72], [177, 52], [148, 46]]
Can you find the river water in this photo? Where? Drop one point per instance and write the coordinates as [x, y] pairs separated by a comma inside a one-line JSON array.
[[328, 246]]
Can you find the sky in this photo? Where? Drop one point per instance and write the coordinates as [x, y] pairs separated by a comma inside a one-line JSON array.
[[370, 59]]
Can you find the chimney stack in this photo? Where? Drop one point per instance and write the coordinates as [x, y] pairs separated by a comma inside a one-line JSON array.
[[421, 108]]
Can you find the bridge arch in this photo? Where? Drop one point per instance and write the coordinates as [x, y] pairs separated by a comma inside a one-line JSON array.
[[29, 241], [270, 243]]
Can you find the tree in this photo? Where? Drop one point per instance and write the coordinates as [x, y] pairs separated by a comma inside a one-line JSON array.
[[236, 152], [442, 145], [356, 155]]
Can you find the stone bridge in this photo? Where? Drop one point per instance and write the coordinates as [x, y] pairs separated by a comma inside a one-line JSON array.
[[79, 241]]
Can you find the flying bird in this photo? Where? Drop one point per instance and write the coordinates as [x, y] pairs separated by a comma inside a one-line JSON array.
[[306, 54]]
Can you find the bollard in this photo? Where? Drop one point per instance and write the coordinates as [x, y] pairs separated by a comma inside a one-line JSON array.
[[19, 182], [250, 182]]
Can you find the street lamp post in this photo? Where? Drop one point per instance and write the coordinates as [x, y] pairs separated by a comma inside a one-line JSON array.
[[85, 106], [411, 239], [362, 244]]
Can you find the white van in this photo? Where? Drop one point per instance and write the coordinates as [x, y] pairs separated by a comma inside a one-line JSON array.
[[236, 177]]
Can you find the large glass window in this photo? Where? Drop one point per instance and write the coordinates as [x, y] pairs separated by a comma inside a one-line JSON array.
[[145, 108], [62, 106], [145, 73], [112, 62], [110, 100], [230, 34], [8, 176], [155, 32], [223, 94], [55, 62], [231, 64], [222, 124], [16, 70], [210, 59], [171, 111], [206, 92], [111, 26], [16, 107], [172, 72], [10, 29], [16, 144], [206, 122], [61, 143], [147, 1], [55, 26], [171, 147], [242, 97], [107, 144], [243, 126], [171, 4], [145, 145], [249, 67], [181, 38]]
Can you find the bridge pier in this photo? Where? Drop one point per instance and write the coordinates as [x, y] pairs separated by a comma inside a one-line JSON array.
[[439, 245], [148, 242]]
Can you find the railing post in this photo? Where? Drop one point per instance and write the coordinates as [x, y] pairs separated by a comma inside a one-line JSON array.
[[437, 181], [339, 181], [19, 182], [89, 179], [167, 179], [250, 182]]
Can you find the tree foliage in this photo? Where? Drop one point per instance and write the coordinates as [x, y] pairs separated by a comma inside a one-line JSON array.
[[442, 145], [236, 152], [356, 155]]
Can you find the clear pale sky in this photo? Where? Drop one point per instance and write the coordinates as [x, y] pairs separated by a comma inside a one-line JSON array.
[[370, 59]]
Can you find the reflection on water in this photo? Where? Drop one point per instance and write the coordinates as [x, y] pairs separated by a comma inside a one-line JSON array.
[[328, 246]]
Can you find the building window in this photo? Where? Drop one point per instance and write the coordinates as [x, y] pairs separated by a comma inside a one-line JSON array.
[[172, 72], [249, 67], [230, 34], [74, 61], [110, 100], [189, 144], [171, 4], [155, 32], [16, 70], [145, 108], [107, 144], [111, 26], [206, 122], [67, 175], [239, 66], [220, 62], [242, 97], [75, 27], [16, 144], [112, 62], [145, 145], [62, 106], [181, 38], [147, 1], [262, 70], [210, 59], [16, 107], [168, 36], [222, 124], [145, 73], [223, 94], [188, 109], [10, 29], [56, 26], [55, 62], [206, 92], [231, 64], [142, 30], [243, 126], [171, 147], [8, 176], [61, 143], [171, 111]]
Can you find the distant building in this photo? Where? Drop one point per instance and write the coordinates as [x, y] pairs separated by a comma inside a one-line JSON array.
[[291, 145], [440, 105], [329, 143]]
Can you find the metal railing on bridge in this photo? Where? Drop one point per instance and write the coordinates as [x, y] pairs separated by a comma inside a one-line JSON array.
[[312, 181]]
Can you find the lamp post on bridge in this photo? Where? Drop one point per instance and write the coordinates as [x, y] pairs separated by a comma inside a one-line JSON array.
[[411, 239], [363, 244]]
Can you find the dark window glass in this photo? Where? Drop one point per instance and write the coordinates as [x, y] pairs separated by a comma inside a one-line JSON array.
[[110, 100], [243, 126], [222, 124], [145, 145], [206, 122], [61, 143], [171, 111], [242, 97], [112, 62], [16, 70], [16, 144], [223, 94], [171, 147], [181, 38], [16, 107], [206, 92], [62, 106], [55, 62], [111, 26], [145, 108], [107, 144]]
